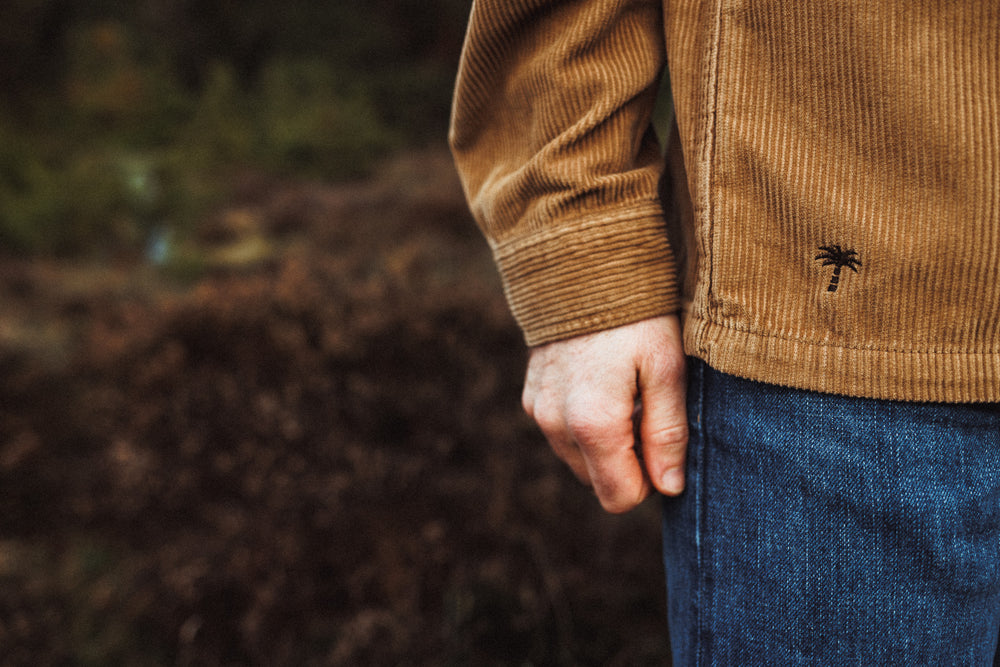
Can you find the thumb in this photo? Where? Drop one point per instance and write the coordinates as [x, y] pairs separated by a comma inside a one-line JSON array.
[[663, 423]]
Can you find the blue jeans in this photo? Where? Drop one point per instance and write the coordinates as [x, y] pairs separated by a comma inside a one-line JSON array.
[[827, 530]]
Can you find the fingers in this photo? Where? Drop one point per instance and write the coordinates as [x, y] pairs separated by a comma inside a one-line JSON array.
[[601, 427], [553, 425], [587, 422], [583, 431], [663, 427], [595, 440], [581, 392]]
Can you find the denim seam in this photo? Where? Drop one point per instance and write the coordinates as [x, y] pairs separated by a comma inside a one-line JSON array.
[[700, 511], [835, 571]]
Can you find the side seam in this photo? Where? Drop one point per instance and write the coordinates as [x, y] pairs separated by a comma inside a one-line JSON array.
[[699, 470], [709, 151]]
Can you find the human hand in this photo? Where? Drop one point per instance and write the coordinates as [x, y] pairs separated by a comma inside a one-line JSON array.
[[592, 395]]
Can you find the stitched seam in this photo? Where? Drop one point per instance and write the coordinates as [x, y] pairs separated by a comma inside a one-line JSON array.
[[844, 346], [711, 149], [707, 193], [700, 510]]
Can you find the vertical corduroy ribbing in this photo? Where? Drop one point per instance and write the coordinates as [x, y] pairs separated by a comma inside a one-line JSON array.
[[865, 128], [842, 159]]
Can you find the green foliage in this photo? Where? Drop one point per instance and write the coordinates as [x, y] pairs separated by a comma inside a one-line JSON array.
[[97, 197], [306, 124], [144, 108], [55, 206], [299, 119]]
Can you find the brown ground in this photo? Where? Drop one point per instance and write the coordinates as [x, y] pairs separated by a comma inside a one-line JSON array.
[[313, 453]]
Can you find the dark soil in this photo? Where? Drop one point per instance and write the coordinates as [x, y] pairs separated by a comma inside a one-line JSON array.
[[308, 454]]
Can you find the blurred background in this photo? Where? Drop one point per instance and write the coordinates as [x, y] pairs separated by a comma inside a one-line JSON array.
[[259, 390]]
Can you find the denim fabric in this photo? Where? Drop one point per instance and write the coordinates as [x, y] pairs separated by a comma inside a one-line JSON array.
[[827, 530]]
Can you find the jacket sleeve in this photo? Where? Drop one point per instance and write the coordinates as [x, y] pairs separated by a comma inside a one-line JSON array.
[[552, 138]]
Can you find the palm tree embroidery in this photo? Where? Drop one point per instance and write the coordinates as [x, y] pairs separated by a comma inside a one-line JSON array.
[[834, 255]]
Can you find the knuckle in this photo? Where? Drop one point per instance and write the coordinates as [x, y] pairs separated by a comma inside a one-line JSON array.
[[528, 403], [619, 502], [548, 417], [596, 411], [610, 496], [589, 426], [580, 470], [671, 368], [670, 436], [613, 506], [622, 488]]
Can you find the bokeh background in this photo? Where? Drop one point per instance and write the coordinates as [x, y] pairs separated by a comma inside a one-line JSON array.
[[259, 390]]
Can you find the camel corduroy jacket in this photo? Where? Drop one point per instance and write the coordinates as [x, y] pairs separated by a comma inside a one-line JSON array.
[[827, 216]]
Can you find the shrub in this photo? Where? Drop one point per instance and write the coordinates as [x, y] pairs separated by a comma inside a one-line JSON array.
[[132, 154]]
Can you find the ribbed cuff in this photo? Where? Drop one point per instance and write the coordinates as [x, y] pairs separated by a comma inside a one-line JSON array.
[[595, 275]]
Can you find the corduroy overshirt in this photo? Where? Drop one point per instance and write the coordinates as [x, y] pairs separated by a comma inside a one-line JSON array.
[[827, 216]]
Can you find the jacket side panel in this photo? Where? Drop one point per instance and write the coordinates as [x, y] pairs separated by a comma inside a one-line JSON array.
[[692, 38], [848, 200]]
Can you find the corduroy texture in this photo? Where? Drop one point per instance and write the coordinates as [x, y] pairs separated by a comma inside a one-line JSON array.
[[841, 220], [551, 135]]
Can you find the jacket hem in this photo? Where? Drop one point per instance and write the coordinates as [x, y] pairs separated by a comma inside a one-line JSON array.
[[921, 376]]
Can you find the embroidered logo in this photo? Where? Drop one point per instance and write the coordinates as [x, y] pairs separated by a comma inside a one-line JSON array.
[[838, 258]]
